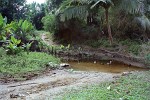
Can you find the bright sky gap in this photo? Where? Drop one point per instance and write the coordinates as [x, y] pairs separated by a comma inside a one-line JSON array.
[[38, 1]]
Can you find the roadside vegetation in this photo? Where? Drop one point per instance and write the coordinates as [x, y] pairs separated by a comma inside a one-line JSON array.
[[18, 45], [25, 65], [132, 87]]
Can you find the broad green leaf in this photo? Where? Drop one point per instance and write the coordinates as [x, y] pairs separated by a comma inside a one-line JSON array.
[[20, 23], [13, 40], [1, 21], [18, 41]]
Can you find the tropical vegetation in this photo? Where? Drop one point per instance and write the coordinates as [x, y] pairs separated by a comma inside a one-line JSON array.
[[117, 26]]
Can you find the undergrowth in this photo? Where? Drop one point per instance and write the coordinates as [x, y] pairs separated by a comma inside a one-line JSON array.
[[133, 47], [22, 63]]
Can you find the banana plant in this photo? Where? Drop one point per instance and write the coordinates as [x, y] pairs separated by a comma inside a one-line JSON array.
[[27, 47], [24, 28], [6, 29], [12, 47]]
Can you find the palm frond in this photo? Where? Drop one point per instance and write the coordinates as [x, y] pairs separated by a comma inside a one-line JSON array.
[[143, 22], [78, 8], [74, 12], [97, 2], [131, 6]]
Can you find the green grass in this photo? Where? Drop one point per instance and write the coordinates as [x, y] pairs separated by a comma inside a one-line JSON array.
[[134, 47], [103, 42], [133, 87], [24, 63]]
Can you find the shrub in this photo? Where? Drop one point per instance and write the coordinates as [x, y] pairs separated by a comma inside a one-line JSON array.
[[49, 22], [21, 30], [24, 30]]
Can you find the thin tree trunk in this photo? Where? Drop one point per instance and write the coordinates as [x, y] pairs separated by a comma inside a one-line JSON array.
[[108, 27]]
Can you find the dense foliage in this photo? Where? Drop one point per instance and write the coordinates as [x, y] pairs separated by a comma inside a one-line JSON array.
[[129, 18], [12, 9], [15, 37], [49, 22]]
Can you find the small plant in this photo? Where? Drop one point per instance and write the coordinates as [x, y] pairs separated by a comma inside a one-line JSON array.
[[12, 47], [147, 57], [42, 45], [27, 47], [65, 48]]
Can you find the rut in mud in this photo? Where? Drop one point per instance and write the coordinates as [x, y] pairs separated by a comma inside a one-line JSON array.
[[52, 84]]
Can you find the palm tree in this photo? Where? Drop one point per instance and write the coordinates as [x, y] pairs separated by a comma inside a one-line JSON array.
[[79, 8]]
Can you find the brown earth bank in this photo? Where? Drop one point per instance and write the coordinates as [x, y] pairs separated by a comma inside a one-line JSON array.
[[84, 52], [88, 53]]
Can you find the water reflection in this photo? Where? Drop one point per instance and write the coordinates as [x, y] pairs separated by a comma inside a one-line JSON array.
[[103, 66]]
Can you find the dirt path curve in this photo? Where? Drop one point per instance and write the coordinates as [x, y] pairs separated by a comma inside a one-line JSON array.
[[46, 39], [52, 85]]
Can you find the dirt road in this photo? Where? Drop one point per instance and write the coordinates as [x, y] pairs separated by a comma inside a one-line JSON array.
[[52, 85]]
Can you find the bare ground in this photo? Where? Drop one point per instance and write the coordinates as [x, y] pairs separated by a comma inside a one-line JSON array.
[[47, 40], [52, 85]]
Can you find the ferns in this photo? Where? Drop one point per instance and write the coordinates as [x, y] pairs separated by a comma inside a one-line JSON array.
[[134, 6]]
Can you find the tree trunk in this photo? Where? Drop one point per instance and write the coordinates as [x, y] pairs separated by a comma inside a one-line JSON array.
[[108, 27]]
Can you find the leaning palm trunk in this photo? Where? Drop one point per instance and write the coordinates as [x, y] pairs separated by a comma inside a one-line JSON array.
[[108, 27]]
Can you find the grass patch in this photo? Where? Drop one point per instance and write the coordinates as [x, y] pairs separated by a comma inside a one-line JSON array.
[[103, 42], [133, 87], [134, 47], [20, 64]]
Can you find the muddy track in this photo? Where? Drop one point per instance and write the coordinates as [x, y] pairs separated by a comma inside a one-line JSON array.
[[52, 85]]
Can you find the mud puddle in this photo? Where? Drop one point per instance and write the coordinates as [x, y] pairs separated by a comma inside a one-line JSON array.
[[103, 66]]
